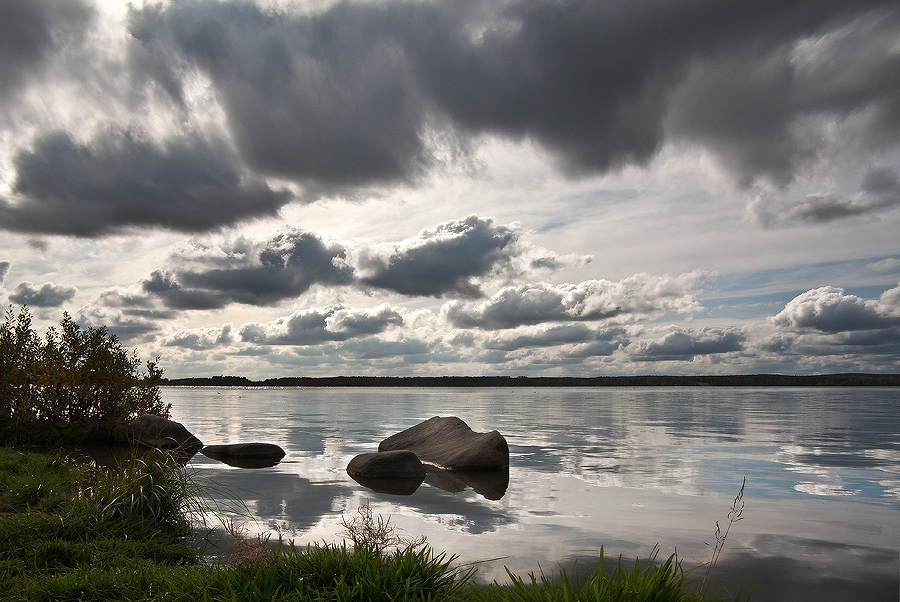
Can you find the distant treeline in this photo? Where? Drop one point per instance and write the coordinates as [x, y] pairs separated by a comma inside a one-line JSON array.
[[738, 380]]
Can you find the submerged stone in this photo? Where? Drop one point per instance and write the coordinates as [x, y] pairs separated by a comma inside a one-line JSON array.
[[245, 455]]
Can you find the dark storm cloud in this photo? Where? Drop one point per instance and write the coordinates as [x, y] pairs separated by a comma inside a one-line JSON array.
[[830, 310], [324, 98], [137, 304], [320, 325], [33, 30], [284, 266], [592, 300], [880, 191], [119, 181], [47, 295], [165, 286], [443, 261], [751, 103], [131, 317], [350, 95], [684, 344]]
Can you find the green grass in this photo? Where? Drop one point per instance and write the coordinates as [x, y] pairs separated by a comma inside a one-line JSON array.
[[666, 582], [71, 531]]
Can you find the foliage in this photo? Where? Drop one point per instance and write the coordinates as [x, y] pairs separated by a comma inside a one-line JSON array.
[[73, 384]]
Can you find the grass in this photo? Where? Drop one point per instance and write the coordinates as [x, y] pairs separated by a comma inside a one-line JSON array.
[[666, 582], [73, 531]]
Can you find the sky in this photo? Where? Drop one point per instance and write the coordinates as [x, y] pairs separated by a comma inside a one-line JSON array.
[[458, 187]]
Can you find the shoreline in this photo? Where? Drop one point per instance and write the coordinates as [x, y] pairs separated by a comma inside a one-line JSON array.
[[736, 380]]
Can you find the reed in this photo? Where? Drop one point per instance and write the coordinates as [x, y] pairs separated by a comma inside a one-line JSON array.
[[734, 515]]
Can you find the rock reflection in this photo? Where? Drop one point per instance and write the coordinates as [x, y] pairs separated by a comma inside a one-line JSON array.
[[491, 484], [390, 486], [464, 511]]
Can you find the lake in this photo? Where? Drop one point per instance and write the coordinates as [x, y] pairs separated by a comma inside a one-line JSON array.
[[628, 469]]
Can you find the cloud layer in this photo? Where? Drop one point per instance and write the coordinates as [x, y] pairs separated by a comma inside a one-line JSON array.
[[211, 100], [503, 186]]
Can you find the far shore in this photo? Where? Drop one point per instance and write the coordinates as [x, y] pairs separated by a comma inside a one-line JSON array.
[[736, 380]]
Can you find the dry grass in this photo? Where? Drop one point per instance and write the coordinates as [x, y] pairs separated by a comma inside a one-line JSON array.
[[376, 533], [245, 550]]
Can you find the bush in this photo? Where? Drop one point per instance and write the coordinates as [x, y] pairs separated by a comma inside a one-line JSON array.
[[73, 385]]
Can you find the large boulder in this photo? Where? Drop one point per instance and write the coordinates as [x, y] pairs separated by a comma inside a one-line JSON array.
[[162, 433], [449, 442], [245, 455]]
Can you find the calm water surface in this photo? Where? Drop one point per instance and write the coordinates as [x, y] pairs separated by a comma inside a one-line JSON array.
[[623, 468]]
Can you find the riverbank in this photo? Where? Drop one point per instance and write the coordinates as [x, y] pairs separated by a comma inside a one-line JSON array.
[[74, 531]]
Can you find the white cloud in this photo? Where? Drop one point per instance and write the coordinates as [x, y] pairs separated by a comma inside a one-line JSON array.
[[828, 309], [641, 296]]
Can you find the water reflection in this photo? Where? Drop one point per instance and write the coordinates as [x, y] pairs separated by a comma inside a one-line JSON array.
[[799, 569], [277, 497], [627, 469]]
